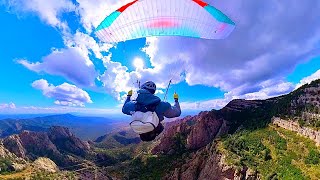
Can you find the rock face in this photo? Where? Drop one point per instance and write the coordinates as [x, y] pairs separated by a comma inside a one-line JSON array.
[[45, 164], [204, 130], [241, 104], [64, 140], [14, 145], [207, 163], [294, 126], [196, 132], [37, 144], [55, 144], [17, 164], [199, 130], [311, 95]]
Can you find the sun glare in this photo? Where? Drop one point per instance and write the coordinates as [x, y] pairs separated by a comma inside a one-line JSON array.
[[138, 63]]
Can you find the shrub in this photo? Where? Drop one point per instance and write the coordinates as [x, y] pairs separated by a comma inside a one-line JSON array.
[[313, 157]]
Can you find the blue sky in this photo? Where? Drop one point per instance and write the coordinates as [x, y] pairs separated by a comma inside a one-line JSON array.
[[51, 62]]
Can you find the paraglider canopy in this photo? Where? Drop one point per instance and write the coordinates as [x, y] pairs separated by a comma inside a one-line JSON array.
[[143, 18]]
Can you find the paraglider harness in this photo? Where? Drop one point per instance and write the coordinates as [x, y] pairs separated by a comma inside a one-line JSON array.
[[145, 121]]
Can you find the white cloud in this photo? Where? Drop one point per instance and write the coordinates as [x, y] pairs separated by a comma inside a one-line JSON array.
[[266, 45], [204, 105], [308, 79], [262, 47], [117, 79], [60, 110], [48, 10], [64, 94], [8, 106], [84, 43], [69, 63], [93, 12], [268, 89], [159, 91]]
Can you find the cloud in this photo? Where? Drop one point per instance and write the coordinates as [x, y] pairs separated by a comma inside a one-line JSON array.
[[85, 44], [64, 94], [267, 90], [159, 91], [60, 110], [49, 10], [266, 45], [8, 106], [117, 79], [309, 79], [69, 63], [204, 105], [92, 13]]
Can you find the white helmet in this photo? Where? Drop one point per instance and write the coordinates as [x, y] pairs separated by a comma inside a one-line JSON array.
[[150, 86]]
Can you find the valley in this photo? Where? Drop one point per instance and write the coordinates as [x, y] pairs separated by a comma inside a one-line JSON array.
[[243, 140]]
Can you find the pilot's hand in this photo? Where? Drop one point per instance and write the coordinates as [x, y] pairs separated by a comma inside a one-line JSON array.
[[175, 96], [130, 93]]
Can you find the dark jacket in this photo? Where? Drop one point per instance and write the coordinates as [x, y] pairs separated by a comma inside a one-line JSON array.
[[163, 109]]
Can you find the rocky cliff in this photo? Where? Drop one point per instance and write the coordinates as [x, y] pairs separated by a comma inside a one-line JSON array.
[[56, 144], [294, 126], [197, 131], [194, 134], [208, 163]]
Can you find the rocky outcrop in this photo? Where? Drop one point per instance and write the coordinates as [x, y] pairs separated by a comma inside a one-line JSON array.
[[294, 126], [311, 95], [46, 165], [208, 163], [199, 131], [195, 132], [241, 104], [64, 140], [17, 164], [57, 144], [13, 144], [37, 144], [204, 130]]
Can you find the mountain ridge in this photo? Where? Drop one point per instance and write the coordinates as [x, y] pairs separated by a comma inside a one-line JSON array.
[[84, 127], [236, 142]]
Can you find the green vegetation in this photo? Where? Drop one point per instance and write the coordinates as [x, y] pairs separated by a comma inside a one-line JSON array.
[[5, 166], [147, 166], [153, 167], [274, 153], [180, 143], [115, 155], [250, 118], [286, 107], [53, 176], [313, 157]]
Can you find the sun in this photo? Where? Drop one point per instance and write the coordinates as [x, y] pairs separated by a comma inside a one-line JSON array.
[[138, 63]]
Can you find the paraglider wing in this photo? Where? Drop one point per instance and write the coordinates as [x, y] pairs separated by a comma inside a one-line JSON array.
[[143, 18]]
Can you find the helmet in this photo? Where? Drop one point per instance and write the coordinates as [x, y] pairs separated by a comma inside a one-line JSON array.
[[150, 86]]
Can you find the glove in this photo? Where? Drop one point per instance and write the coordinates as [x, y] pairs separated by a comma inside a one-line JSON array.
[[176, 96], [130, 93]]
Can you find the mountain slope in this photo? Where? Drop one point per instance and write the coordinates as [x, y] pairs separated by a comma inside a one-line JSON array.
[[274, 153], [119, 139], [58, 144], [240, 131], [84, 127], [236, 142]]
